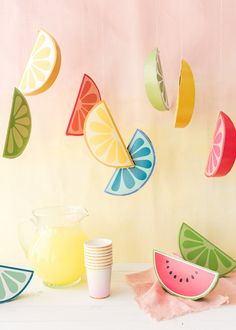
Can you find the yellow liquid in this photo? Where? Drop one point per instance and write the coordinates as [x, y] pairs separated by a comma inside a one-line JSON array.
[[57, 255]]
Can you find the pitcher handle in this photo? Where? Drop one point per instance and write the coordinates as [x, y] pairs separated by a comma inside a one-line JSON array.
[[26, 230]]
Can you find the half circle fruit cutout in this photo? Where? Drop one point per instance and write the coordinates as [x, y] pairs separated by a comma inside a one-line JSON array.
[[87, 97], [186, 96], [13, 281], [104, 139], [154, 81], [19, 127], [126, 181], [182, 278], [43, 65], [197, 249], [223, 152]]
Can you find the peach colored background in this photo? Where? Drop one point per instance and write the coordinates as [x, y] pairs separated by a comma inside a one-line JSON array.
[[110, 40]]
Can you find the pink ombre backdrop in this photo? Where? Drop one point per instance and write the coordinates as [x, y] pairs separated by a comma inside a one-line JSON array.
[[110, 40]]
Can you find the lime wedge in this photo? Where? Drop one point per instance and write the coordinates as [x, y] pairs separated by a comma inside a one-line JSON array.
[[197, 249], [19, 126]]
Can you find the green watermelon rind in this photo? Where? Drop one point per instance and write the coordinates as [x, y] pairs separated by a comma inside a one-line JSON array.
[[14, 296], [211, 287], [221, 274]]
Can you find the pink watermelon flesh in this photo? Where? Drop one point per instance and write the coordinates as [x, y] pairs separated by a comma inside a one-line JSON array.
[[223, 152], [183, 278]]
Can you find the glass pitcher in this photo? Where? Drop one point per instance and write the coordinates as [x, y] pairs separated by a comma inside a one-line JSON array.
[[53, 242]]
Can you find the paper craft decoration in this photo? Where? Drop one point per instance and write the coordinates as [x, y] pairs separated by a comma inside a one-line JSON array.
[[186, 96], [104, 139], [19, 126], [43, 65], [87, 97], [154, 81], [197, 249], [182, 278], [13, 281], [126, 181], [222, 155]]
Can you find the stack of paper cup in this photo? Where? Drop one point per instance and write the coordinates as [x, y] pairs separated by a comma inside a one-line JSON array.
[[98, 263]]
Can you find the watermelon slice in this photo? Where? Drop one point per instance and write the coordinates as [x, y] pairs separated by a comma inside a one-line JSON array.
[[87, 97], [13, 281], [182, 278], [223, 151]]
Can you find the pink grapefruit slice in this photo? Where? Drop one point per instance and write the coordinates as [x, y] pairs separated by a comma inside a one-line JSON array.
[[222, 155], [87, 97]]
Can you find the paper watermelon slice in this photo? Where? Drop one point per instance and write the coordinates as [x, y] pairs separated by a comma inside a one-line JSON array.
[[182, 278], [126, 181], [87, 97], [223, 151], [13, 281]]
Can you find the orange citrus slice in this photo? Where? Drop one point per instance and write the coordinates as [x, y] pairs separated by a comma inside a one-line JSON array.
[[103, 138], [186, 96], [43, 65]]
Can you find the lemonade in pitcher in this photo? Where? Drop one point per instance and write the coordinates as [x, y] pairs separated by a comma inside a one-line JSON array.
[[55, 250]]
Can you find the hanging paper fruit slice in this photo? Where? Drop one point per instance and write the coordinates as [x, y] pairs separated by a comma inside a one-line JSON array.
[[88, 96], [186, 96], [182, 278], [197, 249], [223, 151], [43, 65], [19, 126], [154, 81], [13, 281], [103, 138], [126, 181]]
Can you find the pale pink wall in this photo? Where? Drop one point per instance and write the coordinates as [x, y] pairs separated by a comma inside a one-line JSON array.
[[109, 40]]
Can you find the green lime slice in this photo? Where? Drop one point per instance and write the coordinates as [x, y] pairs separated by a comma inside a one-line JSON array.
[[197, 249], [13, 281], [154, 81], [19, 126]]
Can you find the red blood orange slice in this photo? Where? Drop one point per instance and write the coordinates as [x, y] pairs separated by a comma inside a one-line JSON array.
[[223, 151], [87, 97]]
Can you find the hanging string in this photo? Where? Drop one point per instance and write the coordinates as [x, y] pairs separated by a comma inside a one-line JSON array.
[[220, 49]]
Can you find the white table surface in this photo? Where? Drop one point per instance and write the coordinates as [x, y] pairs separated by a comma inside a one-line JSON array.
[[71, 308]]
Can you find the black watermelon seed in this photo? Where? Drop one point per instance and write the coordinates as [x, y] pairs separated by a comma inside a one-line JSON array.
[[181, 280], [170, 272], [167, 261], [168, 267], [186, 279], [175, 276], [192, 277]]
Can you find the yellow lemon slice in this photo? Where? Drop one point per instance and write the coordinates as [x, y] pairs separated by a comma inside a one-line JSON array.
[[186, 96], [103, 138], [43, 65]]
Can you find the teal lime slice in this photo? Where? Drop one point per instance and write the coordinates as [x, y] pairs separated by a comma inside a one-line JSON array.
[[197, 249], [13, 281], [154, 81], [126, 181], [19, 126]]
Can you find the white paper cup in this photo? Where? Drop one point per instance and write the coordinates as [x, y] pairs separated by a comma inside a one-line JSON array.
[[98, 244], [99, 282]]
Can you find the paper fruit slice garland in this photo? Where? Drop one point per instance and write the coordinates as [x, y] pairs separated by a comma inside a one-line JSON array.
[[222, 155], [103, 138], [182, 278], [126, 181], [186, 96], [154, 81], [87, 97], [13, 281], [43, 65], [19, 126], [197, 249]]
